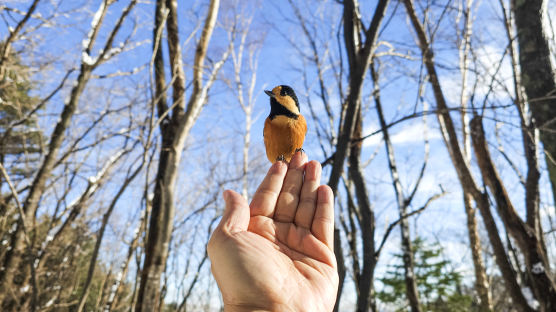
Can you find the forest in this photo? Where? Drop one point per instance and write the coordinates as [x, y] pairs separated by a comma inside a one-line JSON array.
[[122, 123]]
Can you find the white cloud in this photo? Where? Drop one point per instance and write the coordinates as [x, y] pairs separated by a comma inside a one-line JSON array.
[[408, 134], [488, 65], [373, 140]]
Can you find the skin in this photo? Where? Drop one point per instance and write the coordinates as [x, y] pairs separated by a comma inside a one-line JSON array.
[[276, 254]]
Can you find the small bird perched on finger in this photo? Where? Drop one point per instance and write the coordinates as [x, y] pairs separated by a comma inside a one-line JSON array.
[[284, 128]]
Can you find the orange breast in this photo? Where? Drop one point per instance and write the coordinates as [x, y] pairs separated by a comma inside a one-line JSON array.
[[283, 135]]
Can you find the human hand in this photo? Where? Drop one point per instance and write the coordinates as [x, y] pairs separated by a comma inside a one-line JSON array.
[[277, 253]]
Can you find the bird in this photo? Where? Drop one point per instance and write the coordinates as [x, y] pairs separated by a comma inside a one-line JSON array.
[[284, 128]]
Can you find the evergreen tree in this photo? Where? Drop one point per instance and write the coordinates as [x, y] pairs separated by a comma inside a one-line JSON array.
[[19, 134], [440, 286]]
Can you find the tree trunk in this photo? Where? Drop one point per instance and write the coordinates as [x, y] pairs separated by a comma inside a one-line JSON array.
[[338, 251], [359, 55], [481, 281], [174, 130], [15, 255], [411, 290], [100, 235], [162, 210], [537, 264], [463, 171], [537, 75], [365, 298]]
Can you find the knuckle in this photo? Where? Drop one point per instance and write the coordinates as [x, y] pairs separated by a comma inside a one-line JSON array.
[[308, 201]]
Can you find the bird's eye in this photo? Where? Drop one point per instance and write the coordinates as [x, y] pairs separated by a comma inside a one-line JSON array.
[[286, 90]]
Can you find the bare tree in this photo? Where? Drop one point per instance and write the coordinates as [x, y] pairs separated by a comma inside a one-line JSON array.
[[176, 121], [37, 187], [530, 244], [359, 43], [358, 222], [245, 61], [528, 240], [481, 281], [131, 175], [402, 201], [87, 127]]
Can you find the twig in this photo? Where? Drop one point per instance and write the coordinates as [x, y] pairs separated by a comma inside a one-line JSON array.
[[393, 224], [17, 202]]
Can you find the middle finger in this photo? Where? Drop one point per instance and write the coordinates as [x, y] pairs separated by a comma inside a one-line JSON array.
[[289, 196]]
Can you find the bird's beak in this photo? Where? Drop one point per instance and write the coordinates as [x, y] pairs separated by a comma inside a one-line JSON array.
[[269, 93]]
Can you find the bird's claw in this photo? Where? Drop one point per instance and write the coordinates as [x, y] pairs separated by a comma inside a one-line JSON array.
[[300, 150], [281, 158]]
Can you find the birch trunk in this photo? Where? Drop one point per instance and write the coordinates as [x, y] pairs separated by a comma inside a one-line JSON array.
[[481, 281]]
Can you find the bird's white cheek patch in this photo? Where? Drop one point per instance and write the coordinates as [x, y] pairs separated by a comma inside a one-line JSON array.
[[288, 103]]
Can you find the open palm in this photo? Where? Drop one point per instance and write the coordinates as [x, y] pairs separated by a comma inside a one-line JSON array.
[[277, 253]]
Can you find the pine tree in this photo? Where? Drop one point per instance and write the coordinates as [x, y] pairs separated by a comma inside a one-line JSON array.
[[20, 137], [440, 286]]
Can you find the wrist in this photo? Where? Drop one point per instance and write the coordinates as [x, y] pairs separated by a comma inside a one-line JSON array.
[[250, 308], [243, 309]]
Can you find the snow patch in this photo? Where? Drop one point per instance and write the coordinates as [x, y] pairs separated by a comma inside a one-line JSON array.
[[528, 294], [537, 268], [87, 59], [50, 302]]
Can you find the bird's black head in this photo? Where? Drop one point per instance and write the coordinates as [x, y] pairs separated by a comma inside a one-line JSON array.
[[283, 101]]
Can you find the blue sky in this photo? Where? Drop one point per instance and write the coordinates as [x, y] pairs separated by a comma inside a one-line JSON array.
[[215, 139]]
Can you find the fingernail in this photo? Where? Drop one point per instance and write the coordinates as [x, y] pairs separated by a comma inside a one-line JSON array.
[[311, 171], [225, 195], [276, 166]]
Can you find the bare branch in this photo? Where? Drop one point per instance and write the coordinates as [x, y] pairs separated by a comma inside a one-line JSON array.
[[392, 225]]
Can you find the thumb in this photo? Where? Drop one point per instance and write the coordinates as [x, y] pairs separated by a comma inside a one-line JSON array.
[[236, 213]]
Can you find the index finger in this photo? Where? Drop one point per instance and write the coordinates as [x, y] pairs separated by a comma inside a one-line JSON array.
[[264, 199]]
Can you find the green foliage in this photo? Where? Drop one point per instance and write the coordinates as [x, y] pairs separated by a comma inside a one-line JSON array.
[[439, 285], [170, 307], [62, 275], [66, 269], [19, 133]]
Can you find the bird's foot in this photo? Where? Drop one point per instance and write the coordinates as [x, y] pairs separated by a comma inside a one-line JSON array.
[[300, 150], [281, 158]]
